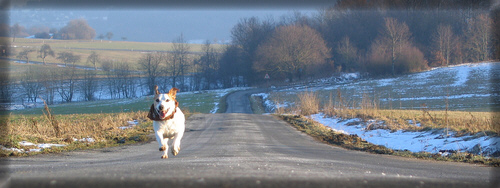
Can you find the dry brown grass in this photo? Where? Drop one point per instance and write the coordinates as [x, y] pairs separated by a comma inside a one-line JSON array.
[[40, 129], [280, 108], [461, 122], [327, 135], [308, 103]]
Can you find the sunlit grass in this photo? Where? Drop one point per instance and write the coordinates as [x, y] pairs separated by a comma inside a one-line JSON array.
[[347, 107], [99, 120], [104, 128], [117, 51]]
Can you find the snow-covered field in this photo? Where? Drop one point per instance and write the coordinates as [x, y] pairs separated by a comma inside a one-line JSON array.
[[466, 86]]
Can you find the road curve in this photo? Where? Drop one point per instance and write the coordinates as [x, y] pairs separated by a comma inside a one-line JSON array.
[[238, 102], [240, 150]]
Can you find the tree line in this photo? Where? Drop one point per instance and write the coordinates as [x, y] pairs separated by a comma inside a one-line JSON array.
[[178, 68], [181, 69], [378, 42], [77, 29], [336, 39]]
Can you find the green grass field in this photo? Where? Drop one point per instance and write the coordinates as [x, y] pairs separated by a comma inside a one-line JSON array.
[[103, 44], [194, 102]]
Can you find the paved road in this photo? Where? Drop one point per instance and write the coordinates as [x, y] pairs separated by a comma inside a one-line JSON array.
[[240, 150]]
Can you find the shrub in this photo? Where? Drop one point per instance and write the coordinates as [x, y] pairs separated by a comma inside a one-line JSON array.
[[308, 103], [409, 59]]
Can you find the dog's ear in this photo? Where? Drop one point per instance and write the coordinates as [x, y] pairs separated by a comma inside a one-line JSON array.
[[152, 113], [173, 92], [156, 90]]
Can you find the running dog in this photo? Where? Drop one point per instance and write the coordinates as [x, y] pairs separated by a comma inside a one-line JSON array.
[[168, 121]]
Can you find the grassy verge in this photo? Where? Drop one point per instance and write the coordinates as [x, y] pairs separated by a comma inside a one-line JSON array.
[[256, 105], [462, 122], [223, 103], [326, 135], [67, 129], [417, 120]]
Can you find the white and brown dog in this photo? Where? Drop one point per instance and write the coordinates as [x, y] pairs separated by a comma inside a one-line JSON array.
[[168, 121]]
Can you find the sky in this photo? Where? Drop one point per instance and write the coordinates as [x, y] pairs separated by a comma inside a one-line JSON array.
[[153, 25]]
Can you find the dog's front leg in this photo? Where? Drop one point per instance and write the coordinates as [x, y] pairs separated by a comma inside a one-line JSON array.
[[177, 143], [162, 144]]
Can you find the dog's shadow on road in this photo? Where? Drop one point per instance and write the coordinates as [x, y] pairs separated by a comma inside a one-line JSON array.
[[193, 130]]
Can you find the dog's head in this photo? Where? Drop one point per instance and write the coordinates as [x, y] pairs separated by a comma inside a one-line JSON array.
[[164, 105]]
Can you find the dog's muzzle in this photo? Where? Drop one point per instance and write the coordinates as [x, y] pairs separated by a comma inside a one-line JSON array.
[[163, 113]]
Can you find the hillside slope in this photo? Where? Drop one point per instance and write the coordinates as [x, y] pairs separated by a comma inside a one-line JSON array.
[[466, 87]]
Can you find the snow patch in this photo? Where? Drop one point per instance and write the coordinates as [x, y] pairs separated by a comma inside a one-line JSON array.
[[42, 146], [270, 105], [461, 76], [221, 93], [87, 139], [39, 148], [415, 141], [130, 124], [385, 82]]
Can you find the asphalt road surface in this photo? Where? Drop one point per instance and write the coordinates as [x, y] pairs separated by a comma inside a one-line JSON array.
[[240, 150]]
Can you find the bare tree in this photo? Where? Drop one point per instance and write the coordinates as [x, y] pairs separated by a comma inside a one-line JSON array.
[[68, 57], [179, 61], [108, 68], [126, 84], [444, 41], [247, 35], [477, 36], [25, 54], [44, 52], [109, 35], [208, 64], [67, 84], [16, 30], [348, 54], [93, 58], [291, 52], [107, 65], [396, 35], [151, 64], [89, 85], [231, 69], [495, 28], [31, 82], [49, 79], [392, 51]]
